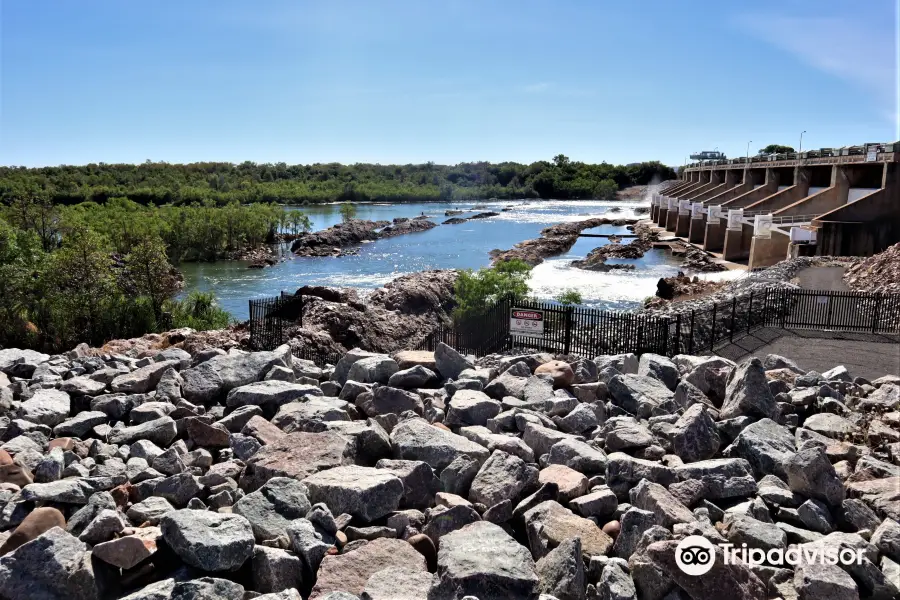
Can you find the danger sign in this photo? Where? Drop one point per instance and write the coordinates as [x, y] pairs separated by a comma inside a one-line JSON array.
[[526, 322]]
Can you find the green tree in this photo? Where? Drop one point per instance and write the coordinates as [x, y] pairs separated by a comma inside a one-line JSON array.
[[476, 291], [21, 261], [570, 297], [149, 274], [606, 190], [776, 149], [79, 288], [198, 311], [348, 212]]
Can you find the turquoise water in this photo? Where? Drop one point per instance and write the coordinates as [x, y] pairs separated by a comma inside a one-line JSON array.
[[463, 246]]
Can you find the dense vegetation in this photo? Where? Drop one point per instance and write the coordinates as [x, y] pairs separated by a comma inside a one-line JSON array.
[[222, 183], [192, 232], [476, 291], [63, 282]]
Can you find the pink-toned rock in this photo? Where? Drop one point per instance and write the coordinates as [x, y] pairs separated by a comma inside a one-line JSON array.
[[208, 436], [350, 572], [561, 372], [20, 476], [410, 358], [5, 458], [262, 430], [38, 521], [66, 443], [612, 529], [570, 482], [298, 455], [128, 551]]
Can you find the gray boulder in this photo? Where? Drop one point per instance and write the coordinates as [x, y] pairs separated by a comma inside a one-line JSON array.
[[373, 369], [721, 478], [766, 445], [694, 435], [449, 362], [271, 394], [641, 396], [159, 431], [271, 508], [659, 367], [207, 588], [419, 482], [747, 393], [209, 541], [578, 455], [46, 407], [142, 380], [220, 374], [561, 571], [810, 473], [366, 493], [414, 377], [484, 561], [469, 407], [416, 439], [53, 565], [503, 477]]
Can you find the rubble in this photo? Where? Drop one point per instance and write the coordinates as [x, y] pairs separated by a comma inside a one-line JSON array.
[[232, 474]]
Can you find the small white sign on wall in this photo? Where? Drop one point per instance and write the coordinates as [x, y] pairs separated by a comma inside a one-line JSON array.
[[696, 210], [714, 211], [735, 218], [762, 226]]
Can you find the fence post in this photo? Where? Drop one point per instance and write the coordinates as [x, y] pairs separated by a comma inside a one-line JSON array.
[[875, 313], [750, 314], [783, 308], [568, 339], [678, 333], [733, 310], [691, 342], [765, 320]]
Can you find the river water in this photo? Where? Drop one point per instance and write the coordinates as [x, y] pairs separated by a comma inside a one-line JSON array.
[[463, 246]]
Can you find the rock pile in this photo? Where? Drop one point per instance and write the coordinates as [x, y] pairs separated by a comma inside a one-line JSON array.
[[878, 273], [433, 476]]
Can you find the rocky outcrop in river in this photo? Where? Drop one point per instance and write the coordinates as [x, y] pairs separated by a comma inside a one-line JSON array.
[[231, 475], [334, 240], [554, 240], [636, 248], [330, 241]]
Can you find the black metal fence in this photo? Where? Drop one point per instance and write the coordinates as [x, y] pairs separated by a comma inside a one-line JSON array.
[[591, 332]]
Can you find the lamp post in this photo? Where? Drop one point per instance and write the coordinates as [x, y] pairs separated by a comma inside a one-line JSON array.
[[800, 149], [748, 150]]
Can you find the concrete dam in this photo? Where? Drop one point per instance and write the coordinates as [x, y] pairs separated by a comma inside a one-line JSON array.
[[763, 209]]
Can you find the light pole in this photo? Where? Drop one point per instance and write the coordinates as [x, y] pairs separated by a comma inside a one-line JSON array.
[[748, 150], [800, 149]]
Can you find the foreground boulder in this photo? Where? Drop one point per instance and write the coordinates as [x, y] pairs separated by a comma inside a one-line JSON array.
[[351, 571], [208, 541], [54, 565], [482, 560]]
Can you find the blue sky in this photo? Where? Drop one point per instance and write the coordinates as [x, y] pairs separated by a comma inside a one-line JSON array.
[[398, 81]]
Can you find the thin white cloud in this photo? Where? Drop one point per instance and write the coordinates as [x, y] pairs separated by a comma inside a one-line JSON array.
[[855, 52]]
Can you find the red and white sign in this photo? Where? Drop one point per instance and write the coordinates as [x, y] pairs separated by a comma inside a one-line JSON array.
[[526, 322]]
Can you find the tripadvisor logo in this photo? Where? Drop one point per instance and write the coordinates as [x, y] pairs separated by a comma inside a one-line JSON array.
[[695, 555]]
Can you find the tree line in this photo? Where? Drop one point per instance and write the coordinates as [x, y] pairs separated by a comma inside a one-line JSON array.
[[160, 183]]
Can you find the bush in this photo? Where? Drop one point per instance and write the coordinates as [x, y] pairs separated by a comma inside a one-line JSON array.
[[198, 311], [476, 291], [348, 211], [570, 297]]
